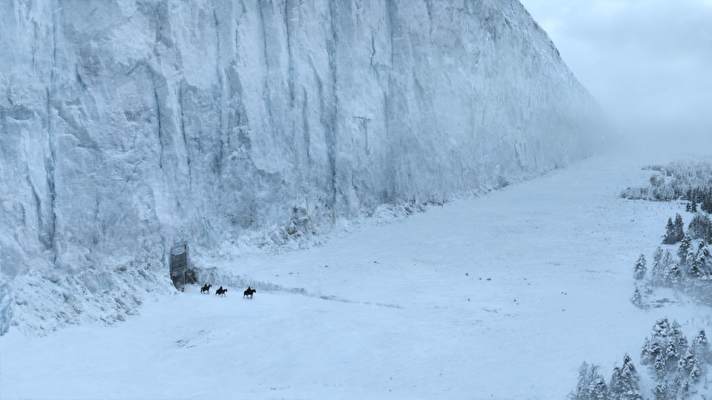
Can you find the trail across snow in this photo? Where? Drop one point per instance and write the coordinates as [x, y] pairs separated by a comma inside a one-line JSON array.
[[499, 297]]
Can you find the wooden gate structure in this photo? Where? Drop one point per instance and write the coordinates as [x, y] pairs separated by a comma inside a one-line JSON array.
[[179, 265]]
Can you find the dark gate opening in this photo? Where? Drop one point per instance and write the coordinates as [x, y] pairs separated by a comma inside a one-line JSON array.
[[179, 264]]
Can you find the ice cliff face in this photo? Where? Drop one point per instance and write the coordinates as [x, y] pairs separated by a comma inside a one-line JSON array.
[[128, 124]]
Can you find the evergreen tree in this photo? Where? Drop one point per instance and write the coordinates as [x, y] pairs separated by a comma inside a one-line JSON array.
[[640, 269], [695, 267], [599, 389], [685, 245], [698, 262], [701, 347], [666, 273], [678, 228], [625, 382], [706, 203], [669, 237], [700, 227], [663, 349], [658, 271], [673, 275], [591, 385], [693, 206], [637, 298], [661, 392], [689, 367], [704, 251]]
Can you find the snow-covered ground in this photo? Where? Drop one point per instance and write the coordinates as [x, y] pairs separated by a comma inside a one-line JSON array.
[[501, 296]]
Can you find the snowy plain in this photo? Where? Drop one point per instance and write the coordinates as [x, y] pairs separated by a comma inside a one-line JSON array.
[[496, 297]]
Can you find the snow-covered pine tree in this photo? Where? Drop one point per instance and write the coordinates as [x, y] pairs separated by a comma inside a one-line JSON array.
[[669, 237], [591, 385], [676, 333], [689, 367], [657, 273], [706, 203], [701, 347], [663, 349], [637, 298], [673, 275], [685, 245], [678, 228], [661, 392], [625, 382], [695, 268], [640, 268], [700, 227], [697, 264], [599, 389], [704, 257], [615, 387], [693, 206]]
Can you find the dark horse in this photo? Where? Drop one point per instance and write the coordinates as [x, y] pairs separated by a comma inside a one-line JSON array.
[[248, 292], [205, 289], [220, 291]]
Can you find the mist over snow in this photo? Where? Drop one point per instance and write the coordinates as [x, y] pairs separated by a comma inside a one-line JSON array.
[[646, 61]]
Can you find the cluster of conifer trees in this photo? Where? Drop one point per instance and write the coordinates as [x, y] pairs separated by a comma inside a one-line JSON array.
[[675, 364], [690, 181], [689, 269]]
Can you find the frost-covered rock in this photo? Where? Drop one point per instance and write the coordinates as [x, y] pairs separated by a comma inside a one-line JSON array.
[[128, 124]]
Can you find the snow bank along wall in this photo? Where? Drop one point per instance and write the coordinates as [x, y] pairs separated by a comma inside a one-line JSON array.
[[126, 125]]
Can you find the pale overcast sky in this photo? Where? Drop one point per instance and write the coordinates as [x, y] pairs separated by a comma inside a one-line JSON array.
[[649, 62]]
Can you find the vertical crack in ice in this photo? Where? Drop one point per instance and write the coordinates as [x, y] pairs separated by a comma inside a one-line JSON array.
[[42, 232], [429, 9], [331, 131], [288, 15], [305, 127], [391, 13], [373, 53], [268, 65], [389, 111], [181, 108], [50, 163], [159, 123], [220, 156]]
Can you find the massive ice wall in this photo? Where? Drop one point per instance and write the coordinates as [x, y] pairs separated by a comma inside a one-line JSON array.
[[127, 124]]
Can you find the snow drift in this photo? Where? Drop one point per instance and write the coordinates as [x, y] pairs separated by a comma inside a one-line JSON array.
[[127, 125]]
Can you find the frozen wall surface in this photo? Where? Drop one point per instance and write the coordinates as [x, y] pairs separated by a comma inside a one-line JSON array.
[[126, 125]]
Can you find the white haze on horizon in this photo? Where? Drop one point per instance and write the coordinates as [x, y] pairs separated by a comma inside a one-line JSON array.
[[648, 62]]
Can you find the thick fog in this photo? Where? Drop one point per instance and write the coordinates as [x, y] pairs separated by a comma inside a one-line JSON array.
[[648, 62]]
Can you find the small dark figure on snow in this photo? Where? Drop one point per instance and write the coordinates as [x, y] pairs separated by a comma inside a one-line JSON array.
[[248, 292], [221, 291], [205, 289]]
